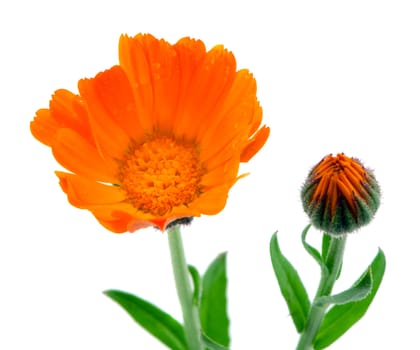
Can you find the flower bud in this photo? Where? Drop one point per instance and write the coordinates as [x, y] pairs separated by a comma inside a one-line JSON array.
[[340, 195]]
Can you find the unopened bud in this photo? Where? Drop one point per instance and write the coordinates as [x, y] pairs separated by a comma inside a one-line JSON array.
[[340, 195]]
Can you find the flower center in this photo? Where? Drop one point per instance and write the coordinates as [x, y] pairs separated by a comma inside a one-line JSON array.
[[161, 174]]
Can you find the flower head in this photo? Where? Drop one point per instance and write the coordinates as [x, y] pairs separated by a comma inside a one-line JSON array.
[[158, 137], [340, 194]]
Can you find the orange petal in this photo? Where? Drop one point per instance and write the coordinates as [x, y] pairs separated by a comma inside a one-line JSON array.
[[232, 127], [67, 110], [190, 54], [118, 221], [43, 127], [227, 143], [240, 101], [206, 93], [255, 144], [84, 193], [111, 139], [224, 173], [113, 92], [134, 61], [123, 217], [165, 73], [256, 119], [224, 142], [74, 153], [212, 201]]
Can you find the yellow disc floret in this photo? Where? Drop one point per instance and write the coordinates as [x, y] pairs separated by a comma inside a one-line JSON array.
[[160, 174]]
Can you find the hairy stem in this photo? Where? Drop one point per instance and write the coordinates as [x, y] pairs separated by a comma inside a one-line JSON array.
[[185, 294], [333, 262]]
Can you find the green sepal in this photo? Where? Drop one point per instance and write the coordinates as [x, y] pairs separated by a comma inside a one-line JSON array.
[[213, 302], [340, 318], [211, 344], [196, 279], [359, 291], [157, 322], [291, 286], [313, 252]]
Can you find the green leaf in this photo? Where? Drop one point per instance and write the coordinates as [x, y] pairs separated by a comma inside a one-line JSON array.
[[157, 322], [359, 291], [340, 318], [195, 275], [213, 302], [291, 286], [211, 344]]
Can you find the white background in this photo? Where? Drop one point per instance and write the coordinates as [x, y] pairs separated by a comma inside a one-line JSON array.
[[333, 76]]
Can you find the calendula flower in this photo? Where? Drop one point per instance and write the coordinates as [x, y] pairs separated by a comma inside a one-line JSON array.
[[158, 137], [340, 195]]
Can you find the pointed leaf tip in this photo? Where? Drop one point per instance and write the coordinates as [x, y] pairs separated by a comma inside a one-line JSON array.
[[211, 344], [157, 322]]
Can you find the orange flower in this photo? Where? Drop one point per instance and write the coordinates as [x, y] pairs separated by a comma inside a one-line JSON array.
[[340, 194], [157, 138]]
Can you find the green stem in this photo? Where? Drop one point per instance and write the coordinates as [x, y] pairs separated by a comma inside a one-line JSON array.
[[185, 294], [333, 262]]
